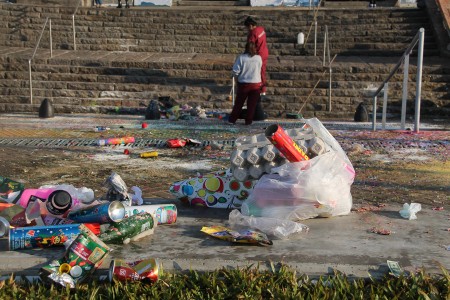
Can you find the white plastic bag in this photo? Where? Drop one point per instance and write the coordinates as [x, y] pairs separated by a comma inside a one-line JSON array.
[[319, 187], [409, 211], [274, 228], [84, 195]]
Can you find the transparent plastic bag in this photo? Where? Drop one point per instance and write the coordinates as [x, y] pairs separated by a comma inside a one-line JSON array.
[[274, 228], [319, 187], [409, 210]]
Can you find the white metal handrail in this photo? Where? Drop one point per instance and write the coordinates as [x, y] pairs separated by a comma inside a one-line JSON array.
[[315, 29], [73, 25], [418, 38], [34, 53], [327, 55]]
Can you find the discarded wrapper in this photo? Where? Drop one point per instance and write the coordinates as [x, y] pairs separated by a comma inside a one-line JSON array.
[[84, 256], [142, 270], [10, 190], [395, 268], [101, 213], [117, 189], [129, 229], [242, 236]]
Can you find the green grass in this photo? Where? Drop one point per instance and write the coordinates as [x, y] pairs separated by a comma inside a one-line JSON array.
[[244, 284]]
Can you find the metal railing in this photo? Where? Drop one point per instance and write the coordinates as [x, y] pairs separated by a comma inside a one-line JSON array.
[[315, 28], [73, 25], [418, 38], [327, 55], [34, 53]]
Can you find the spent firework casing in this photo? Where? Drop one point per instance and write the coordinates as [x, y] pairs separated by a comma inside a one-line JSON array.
[[41, 236], [4, 227], [163, 213], [116, 141], [149, 154], [84, 256], [283, 142], [142, 270], [101, 213], [129, 229]]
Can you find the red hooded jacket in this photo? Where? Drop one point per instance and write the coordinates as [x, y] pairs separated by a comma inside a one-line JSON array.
[[258, 36]]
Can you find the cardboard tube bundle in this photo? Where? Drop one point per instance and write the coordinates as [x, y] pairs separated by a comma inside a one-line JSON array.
[[256, 155]]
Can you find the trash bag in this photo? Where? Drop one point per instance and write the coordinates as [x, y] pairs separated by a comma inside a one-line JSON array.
[[319, 187], [361, 114], [152, 111]]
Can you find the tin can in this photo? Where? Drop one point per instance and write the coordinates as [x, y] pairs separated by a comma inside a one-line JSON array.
[[283, 142], [41, 236], [163, 213], [129, 229], [4, 227], [84, 256], [116, 141], [101, 213], [149, 154], [143, 270]]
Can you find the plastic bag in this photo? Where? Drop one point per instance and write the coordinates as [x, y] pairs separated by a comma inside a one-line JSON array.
[[84, 195], [319, 187], [409, 210], [280, 229]]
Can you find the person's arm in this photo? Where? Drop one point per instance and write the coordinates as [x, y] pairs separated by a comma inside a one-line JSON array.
[[237, 67]]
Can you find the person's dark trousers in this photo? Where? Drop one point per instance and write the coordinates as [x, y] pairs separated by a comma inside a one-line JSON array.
[[249, 92]]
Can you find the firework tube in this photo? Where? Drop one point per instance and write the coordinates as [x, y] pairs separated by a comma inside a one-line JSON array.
[[4, 227], [142, 270], [101, 213], [149, 154], [116, 141], [163, 213], [130, 229], [41, 236], [283, 142], [84, 256]]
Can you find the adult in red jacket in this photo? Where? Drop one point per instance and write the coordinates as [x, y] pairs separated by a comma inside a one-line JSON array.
[[257, 35]]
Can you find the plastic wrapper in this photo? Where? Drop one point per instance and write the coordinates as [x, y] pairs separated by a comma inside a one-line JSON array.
[[216, 190], [245, 236], [117, 189], [409, 210], [319, 187], [84, 195], [277, 228], [81, 259], [129, 229]]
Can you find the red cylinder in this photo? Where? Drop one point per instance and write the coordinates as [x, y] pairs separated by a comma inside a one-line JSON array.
[[283, 142]]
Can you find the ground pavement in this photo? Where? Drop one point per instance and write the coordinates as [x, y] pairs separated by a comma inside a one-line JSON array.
[[347, 244]]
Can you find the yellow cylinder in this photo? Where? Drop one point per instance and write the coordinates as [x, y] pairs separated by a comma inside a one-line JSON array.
[[149, 154]]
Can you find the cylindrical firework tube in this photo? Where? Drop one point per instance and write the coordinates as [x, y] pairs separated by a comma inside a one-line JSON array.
[[101, 213], [129, 229], [4, 227], [283, 142], [84, 256], [143, 270], [163, 213], [116, 141], [41, 236]]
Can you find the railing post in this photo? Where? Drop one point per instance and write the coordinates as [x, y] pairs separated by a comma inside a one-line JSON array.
[[385, 98], [374, 114], [73, 28], [325, 40], [315, 38], [405, 91], [419, 80], [329, 90], [31, 85], [50, 32]]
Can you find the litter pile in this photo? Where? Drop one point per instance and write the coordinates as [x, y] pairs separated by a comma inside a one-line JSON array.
[[63, 215], [276, 179]]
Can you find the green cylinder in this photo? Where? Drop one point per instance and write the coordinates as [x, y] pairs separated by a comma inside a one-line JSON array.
[[129, 229]]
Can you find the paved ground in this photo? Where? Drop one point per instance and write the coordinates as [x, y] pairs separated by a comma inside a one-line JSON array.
[[346, 243]]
